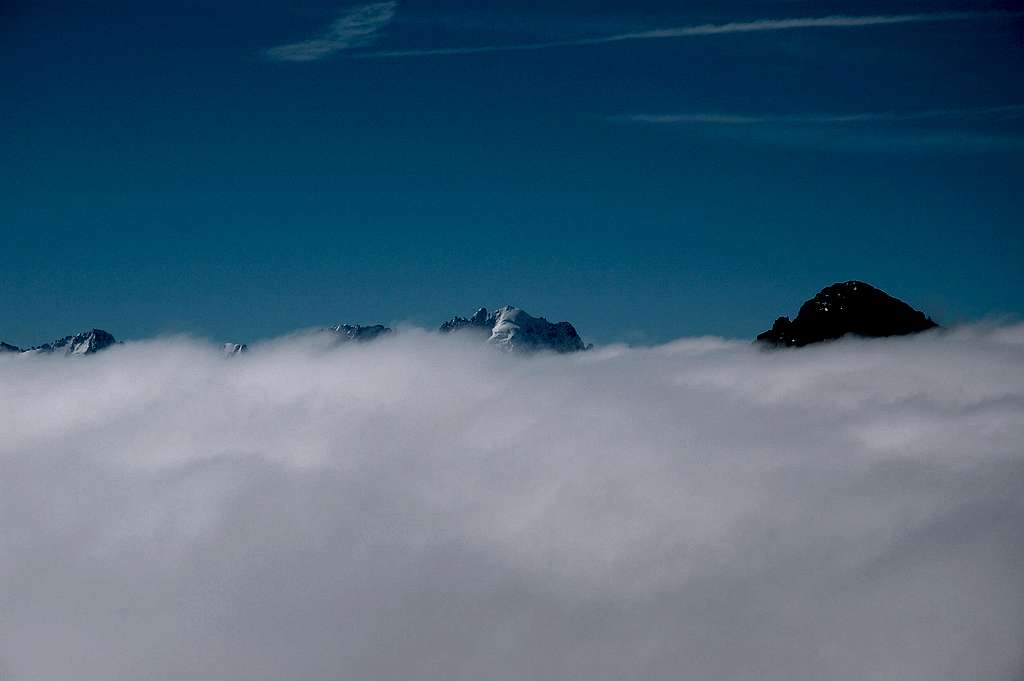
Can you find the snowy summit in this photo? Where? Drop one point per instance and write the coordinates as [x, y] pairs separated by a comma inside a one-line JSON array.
[[513, 329], [84, 343]]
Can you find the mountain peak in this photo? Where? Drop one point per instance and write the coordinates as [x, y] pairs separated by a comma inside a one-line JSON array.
[[851, 307], [514, 329], [84, 343]]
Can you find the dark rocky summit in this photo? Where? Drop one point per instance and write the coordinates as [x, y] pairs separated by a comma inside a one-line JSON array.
[[7, 347], [511, 328], [851, 307], [84, 343], [358, 333]]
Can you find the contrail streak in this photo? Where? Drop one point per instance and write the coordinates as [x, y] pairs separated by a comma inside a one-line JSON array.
[[756, 26]]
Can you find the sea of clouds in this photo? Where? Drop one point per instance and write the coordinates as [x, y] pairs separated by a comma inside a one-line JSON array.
[[427, 508]]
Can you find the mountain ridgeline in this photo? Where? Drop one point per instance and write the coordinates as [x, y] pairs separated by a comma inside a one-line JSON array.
[[847, 308]]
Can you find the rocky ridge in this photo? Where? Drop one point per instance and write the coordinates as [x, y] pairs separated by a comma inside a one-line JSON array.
[[846, 308], [359, 333]]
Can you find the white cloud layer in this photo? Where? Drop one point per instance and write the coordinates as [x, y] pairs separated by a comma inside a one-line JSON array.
[[425, 508], [357, 27]]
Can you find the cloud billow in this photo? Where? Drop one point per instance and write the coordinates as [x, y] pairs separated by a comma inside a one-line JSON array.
[[424, 508]]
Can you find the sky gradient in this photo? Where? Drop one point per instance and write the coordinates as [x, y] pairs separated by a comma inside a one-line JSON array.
[[644, 170]]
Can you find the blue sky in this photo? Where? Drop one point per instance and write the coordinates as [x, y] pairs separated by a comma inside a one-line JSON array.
[[646, 170]]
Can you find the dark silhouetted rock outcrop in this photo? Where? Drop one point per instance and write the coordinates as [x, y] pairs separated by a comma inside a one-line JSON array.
[[7, 347], [511, 328], [852, 307]]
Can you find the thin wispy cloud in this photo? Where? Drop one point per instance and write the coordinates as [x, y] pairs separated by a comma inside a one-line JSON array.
[[358, 27], [755, 26], [1008, 112], [953, 129], [834, 21]]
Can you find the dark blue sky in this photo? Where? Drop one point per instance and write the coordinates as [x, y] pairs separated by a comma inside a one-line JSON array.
[[238, 170]]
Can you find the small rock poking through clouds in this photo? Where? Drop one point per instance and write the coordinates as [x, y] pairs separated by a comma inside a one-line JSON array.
[[233, 349]]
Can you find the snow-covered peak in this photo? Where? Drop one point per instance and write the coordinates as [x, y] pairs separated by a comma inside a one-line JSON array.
[[514, 329], [84, 343]]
